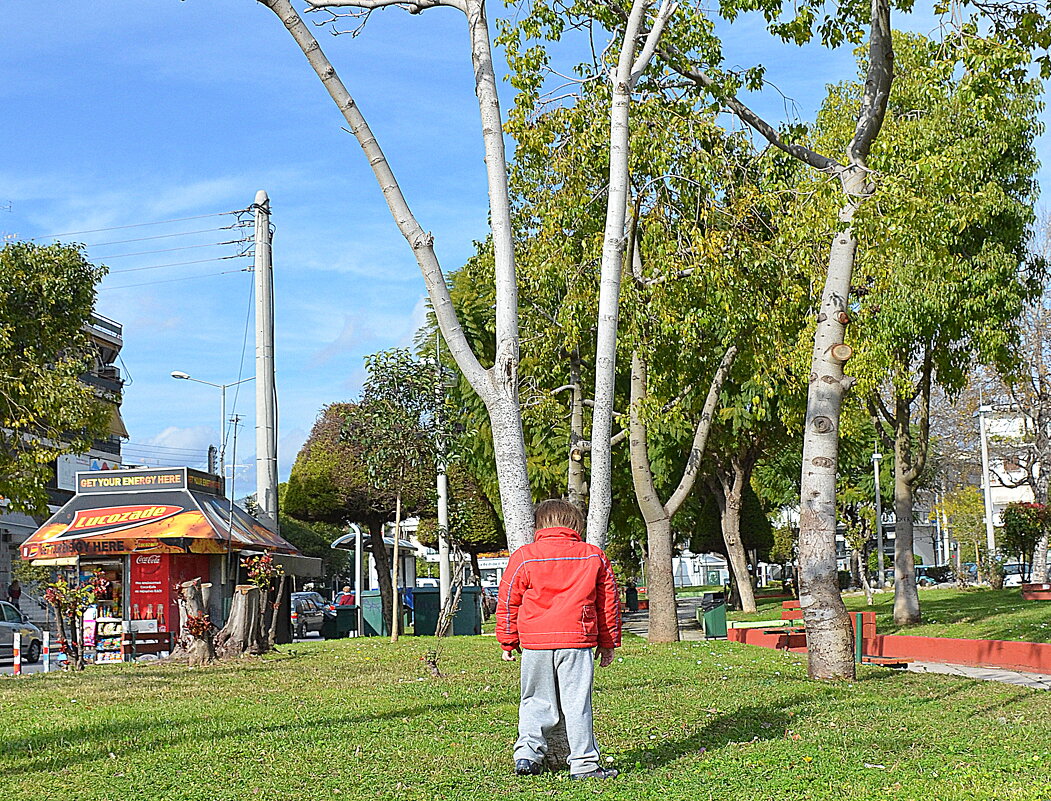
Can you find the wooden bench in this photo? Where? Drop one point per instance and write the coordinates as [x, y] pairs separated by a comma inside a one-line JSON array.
[[142, 643]]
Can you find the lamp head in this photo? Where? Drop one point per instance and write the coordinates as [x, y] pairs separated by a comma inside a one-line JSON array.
[[180, 374]]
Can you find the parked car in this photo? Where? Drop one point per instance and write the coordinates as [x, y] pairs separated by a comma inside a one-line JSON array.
[[307, 616], [11, 621], [490, 595], [327, 607], [1013, 574]]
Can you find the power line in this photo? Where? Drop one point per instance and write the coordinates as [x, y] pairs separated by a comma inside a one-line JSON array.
[[173, 280], [138, 225], [176, 264], [143, 446], [173, 250], [164, 236]]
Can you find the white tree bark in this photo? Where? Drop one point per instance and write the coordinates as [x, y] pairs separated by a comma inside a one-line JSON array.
[[830, 651], [498, 388], [629, 69]]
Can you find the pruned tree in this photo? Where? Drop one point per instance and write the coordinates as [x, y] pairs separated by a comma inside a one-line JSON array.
[[497, 386], [329, 482]]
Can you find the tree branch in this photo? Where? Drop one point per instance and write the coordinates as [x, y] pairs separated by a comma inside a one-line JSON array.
[[422, 243], [678, 62], [650, 46], [877, 85], [700, 434]]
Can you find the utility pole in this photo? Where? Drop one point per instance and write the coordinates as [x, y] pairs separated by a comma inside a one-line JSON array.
[[444, 565], [265, 386]]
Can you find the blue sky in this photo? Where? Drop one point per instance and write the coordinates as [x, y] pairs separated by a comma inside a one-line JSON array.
[[124, 113]]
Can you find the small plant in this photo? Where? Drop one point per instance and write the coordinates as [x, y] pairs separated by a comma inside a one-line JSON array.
[[199, 625], [262, 570], [69, 602]]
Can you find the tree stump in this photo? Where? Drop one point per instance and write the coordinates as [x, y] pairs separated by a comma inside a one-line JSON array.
[[195, 632], [241, 633], [557, 756]]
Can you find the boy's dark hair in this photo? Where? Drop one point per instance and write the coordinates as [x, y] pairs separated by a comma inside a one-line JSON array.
[[556, 512]]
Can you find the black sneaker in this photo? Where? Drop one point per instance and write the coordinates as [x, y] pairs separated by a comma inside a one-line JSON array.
[[597, 773], [527, 767]]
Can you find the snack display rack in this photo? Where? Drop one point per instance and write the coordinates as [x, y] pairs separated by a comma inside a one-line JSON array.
[[108, 633]]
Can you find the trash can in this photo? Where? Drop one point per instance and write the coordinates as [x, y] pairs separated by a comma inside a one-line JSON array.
[[427, 608], [712, 614], [631, 598], [372, 612]]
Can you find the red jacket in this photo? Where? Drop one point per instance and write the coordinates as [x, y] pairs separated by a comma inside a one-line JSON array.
[[558, 592]]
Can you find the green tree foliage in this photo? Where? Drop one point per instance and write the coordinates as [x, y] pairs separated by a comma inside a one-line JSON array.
[[46, 296], [964, 509], [474, 526], [1024, 525], [705, 532]]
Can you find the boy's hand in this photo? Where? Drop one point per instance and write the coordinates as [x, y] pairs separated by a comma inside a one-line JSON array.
[[605, 657], [509, 656]]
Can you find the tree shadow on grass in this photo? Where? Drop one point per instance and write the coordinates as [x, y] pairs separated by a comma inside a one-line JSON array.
[[742, 725], [97, 742]]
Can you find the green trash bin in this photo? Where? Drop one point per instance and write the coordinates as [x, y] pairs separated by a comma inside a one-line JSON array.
[[372, 614], [427, 607], [712, 615]]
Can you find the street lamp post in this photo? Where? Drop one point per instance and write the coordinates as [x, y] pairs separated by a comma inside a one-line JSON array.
[[179, 374], [987, 485], [876, 457]]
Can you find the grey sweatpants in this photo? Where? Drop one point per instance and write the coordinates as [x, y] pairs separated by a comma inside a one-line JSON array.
[[553, 680]]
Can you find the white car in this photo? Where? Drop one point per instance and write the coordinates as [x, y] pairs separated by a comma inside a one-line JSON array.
[[1013, 574], [11, 621]]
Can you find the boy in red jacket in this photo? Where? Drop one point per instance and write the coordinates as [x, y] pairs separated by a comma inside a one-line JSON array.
[[558, 600]]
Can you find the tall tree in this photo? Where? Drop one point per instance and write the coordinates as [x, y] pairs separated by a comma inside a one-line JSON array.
[[692, 49], [46, 296], [331, 482], [950, 277], [498, 385]]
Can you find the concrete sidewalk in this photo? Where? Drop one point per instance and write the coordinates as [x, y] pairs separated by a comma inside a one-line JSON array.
[[1035, 681]]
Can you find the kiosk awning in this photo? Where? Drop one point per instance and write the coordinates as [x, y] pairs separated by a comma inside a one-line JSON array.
[[171, 510]]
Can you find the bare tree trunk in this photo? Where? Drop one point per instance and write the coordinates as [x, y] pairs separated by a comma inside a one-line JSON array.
[[199, 648], [855, 569], [660, 582], [383, 568], [864, 576], [906, 596], [271, 637], [576, 484], [623, 79], [728, 488], [1040, 567], [395, 606], [241, 632]]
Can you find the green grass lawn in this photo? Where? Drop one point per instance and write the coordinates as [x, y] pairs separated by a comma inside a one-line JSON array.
[[969, 614], [358, 719]]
